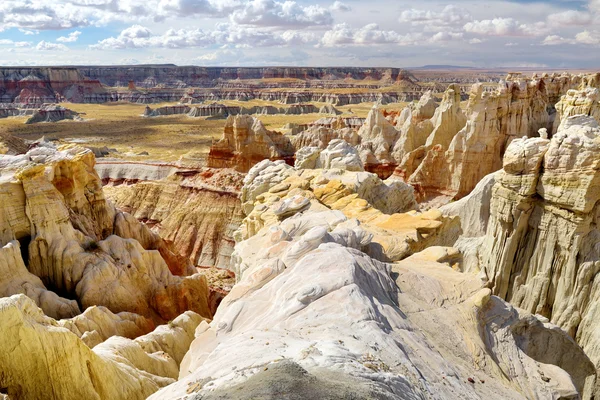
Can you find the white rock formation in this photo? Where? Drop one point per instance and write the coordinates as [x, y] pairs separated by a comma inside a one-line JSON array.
[[313, 301], [338, 154]]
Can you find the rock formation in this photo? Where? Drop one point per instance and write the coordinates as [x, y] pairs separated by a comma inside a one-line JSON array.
[[245, 142], [452, 162], [316, 314], [538, 248], [582, 102], [40, 359], [81, 247], [52, 113], [544, 204], [338, 154], [197, 210]]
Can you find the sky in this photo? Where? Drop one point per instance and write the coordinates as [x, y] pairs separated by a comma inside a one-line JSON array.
[[370, 33]]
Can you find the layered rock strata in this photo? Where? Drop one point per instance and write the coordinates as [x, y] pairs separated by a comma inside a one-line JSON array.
[[540, 249], [52, 113], [196, 210], [578, 102], [530, 229]]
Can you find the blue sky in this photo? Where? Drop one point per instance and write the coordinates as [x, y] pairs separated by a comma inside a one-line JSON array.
[[496, 33]]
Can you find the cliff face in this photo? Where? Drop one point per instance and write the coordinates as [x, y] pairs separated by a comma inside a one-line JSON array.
[[195, 210], [453, 159], [208, 76], [540, 251]]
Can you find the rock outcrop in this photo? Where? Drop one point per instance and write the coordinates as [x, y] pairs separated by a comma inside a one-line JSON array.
[[316, 314], [40, 359], [52, 113], [578, 102], [338, 154], [539, 250], [245, 142], [81, 247], [196, 210]]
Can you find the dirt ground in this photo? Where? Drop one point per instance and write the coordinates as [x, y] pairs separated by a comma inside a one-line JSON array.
[[120, 126]]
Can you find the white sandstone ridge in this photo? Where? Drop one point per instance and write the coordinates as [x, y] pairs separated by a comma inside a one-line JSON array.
[[540, 251], [75, 243], [317, 313]]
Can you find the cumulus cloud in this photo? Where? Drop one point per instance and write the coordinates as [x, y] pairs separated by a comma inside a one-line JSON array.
[[451, 15], [48, 46], [505, 27], [445, 37], [343, 34], [570, 18], [38, 15], [281, 14], [553, 40], [71, 37], [339, 6], [224, 34], [8, 42], [588, 37]]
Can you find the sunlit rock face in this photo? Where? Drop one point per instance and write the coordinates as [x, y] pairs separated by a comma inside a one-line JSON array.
[[42, 358], [538, 246], [245, 142], [316, 302], [82, 248], [578, 102], [540, 250]]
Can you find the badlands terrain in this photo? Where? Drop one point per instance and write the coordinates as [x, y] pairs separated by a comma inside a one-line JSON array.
[[299, 233]]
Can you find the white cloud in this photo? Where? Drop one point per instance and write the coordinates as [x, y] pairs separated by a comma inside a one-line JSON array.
[[570, 18], [224, 34], [505, 27], [476, 41], [445, 37], [343, 34], [281, 14], [588, 37], [339, 6], [449, 16], [553, 40], [72, 37], [31, 15], [28, 32], [8, 42], [44, 46], [511, 44]]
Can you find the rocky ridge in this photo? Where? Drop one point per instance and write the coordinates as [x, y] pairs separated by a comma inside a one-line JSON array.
[[309, 255]]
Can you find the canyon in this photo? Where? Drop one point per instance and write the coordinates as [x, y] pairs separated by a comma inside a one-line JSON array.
[[439, 245]]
